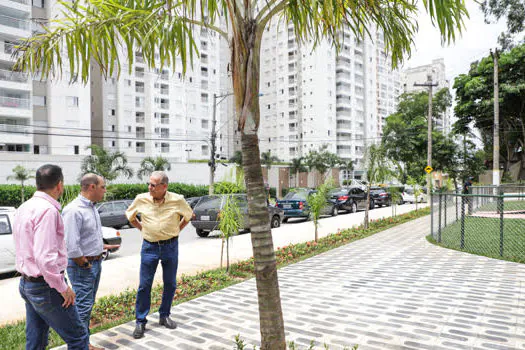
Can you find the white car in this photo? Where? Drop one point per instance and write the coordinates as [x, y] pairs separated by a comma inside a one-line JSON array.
[[410, 197], [110, 236]]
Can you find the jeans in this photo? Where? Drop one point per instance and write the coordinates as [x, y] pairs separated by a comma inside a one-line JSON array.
[[85, 285], [151, 253], [43, 310]]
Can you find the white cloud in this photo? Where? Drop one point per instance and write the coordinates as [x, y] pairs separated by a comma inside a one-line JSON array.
[[475, 42]]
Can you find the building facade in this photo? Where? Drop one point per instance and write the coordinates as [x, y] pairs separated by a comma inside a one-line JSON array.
[[311, 98]]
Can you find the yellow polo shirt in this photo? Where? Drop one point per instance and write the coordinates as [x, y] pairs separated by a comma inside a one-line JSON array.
[[160, 221]]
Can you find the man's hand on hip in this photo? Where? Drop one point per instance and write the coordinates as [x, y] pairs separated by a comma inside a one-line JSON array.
[[69, 297]]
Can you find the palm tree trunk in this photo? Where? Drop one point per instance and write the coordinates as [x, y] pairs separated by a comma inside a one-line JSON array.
[[246, 71]]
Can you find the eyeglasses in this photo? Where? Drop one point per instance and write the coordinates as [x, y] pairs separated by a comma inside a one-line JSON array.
[[154, 185]]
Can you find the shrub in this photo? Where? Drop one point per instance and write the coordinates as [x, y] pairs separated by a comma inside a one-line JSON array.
[[225, 187]]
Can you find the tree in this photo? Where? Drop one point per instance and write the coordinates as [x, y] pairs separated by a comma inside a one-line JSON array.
[[405, 135], [163, 30], [318, 202], [229, 224], [347, 165], [150, 164], [514, 13], [375, 159], [297, 166], [109, 165], [21, 174], [267, 159], [322, 160], [237, 158], [474, 104]]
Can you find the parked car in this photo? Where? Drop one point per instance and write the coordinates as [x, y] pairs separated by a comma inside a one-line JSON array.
[[380, 196], [410, 197], [350, 199], [113, 213], [192, 201], [208, 208], [295, 204], [7, 244], [110, 236]]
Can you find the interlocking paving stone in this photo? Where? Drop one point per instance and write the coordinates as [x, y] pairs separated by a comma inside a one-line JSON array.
[[392, 290]]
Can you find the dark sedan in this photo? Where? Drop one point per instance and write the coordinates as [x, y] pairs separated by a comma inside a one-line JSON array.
[[381, 196], [113, 213], [295, 204], [208, 208], [350, 199]]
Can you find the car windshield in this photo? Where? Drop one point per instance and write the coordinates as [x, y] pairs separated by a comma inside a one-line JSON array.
[[409, 191], [338, 193], [5, 227], [299, 195], [209, 202]]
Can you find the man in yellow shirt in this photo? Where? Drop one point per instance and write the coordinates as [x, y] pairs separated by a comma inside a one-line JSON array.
[[163, 215]]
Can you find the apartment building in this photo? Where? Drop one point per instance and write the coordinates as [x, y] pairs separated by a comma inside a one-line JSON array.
[[437, 70], [38, 116], [312, 98], [160, 112]]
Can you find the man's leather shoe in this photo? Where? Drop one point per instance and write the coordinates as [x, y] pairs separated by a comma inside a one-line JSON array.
[[139, 330], [167, 322]]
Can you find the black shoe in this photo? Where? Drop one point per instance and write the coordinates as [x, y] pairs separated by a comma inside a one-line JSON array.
[[139, 330], [167, 322]]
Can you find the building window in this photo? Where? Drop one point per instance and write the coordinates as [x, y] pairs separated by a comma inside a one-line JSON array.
[[112, 112], [204, 124], [39, 101], [204, 150], [38, 3], [129, 144], [72, 101], [36, 149], [113, 128], [77, 149], [112, 143], [141, 147]]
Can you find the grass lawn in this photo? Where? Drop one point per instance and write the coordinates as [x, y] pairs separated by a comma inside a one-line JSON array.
[[507, 206], [482, 237]]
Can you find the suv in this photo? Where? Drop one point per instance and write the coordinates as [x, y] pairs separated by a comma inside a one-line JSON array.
[[381, 196], [7, 244], [208, 208]]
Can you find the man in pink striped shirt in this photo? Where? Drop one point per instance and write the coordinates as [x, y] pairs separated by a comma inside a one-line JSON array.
[[41, 258]]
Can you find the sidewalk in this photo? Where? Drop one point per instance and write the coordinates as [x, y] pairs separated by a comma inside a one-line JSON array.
[[392, 290], [121, 273]]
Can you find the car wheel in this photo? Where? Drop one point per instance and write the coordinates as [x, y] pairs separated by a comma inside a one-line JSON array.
[[353, 208], [372, 204], [335, 211], [105, 254], [285, 220], [276, 221], [202, 233]]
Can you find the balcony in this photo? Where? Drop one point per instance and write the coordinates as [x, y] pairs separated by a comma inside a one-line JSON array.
[[13, 102], [165, 91], [141, 149], [9, 75], [23, 2], [19, 129], [139, 89], [140, 119], [13, 22], [140, 134]]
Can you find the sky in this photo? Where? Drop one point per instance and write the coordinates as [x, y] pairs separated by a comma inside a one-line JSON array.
[[475, 42]]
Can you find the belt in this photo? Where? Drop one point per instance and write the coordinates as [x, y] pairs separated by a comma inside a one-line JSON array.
[[35, 279], [166, 241], [94, 258]]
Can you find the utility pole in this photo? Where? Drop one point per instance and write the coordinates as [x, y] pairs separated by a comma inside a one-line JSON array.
[[429, 84], [495, 164], [212, 141], [212, 163]]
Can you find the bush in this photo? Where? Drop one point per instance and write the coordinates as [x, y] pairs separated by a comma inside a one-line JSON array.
[[225, 187], [10, 194]]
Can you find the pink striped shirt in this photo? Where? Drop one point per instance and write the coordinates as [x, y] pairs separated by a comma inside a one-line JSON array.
[[39, 240]]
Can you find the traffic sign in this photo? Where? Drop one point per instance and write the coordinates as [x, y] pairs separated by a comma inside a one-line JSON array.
[[428, 169]]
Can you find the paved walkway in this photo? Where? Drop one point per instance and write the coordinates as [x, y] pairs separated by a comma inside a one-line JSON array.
[[393, 290]]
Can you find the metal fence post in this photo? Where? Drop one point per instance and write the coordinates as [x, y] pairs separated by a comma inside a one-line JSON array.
[[439, 220], [463, 222], [445, 213], [501, 208], [431, 213], [457, 209]]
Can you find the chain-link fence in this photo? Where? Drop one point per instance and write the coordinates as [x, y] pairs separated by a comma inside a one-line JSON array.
[[490, 221]]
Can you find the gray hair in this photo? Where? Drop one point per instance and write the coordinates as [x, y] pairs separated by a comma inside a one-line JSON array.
[[161, 175], [89, 179]]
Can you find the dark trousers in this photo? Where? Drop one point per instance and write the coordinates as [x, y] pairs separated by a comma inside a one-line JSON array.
[[151, 254], [43, 310]]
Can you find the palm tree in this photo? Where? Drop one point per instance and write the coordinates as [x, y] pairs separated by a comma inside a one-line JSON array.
[[267, 159], [109, 165], [376, 170], [297, 166], [21, 174], [237, 158], [150, 164], [347, 165], [163, 31]]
